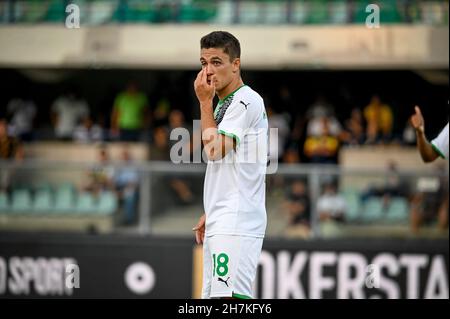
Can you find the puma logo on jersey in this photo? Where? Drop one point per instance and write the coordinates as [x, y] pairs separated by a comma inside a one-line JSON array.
[[224, 281], [245, 105]]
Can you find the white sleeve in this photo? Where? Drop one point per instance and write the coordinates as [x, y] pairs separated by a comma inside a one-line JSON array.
[[235, 122], [440, 143]]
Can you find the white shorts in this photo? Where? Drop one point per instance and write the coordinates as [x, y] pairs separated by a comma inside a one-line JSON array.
[[229, 266]]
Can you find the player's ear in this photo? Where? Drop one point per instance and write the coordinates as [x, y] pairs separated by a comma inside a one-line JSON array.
[[236, 65]]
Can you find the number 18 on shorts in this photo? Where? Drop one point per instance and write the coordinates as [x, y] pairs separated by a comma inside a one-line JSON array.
[[230, 264]]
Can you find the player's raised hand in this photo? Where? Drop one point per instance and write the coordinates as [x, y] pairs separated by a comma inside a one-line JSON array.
[[200, 230], [417, 120], [205, 88]]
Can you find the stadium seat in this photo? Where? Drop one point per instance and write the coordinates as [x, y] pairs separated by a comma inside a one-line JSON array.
[[102, 11], [351, 197], [56, 11], [107, 203], [250, 12], [43, 201], [21, 201], [275, 12], [318, 12], [398, 210], [4, 203], [225, 12], [433, 12], [373, 210], [85, 203], [298, 12], [389, 12], [30, 11], [339, 12], [64, 198]]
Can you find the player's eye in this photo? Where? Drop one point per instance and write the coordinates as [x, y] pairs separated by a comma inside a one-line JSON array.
[[216, 63]]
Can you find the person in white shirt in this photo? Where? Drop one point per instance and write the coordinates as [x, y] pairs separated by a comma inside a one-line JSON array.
[[235, 138], [429, 151], [22, 112], [67, 111]]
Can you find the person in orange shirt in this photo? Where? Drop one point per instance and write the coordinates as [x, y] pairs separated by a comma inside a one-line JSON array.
[[379, 120]]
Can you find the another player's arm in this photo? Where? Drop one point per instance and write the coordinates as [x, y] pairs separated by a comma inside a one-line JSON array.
[[216, 145], [426, 150]]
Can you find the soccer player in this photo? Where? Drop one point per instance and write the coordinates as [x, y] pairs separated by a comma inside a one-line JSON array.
[[233, 226], [437, 147]]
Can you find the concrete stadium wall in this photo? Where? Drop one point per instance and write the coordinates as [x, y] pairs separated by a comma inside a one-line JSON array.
[[263, 47]]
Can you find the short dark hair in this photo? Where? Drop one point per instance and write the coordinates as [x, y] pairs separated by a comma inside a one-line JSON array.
[[223, 40]]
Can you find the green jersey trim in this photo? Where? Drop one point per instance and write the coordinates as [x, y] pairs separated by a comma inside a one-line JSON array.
[[238, 296], [219, 104], [229, 135], [437, 150]]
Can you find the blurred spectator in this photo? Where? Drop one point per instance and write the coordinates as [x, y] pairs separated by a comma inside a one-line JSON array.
[[130, 114], [286, 101], [160, 148], [88, 132], [379, 120], [409, 135], [277, 142], [160, 151], [394, 186], [430, 202], [324, 148], [320, 108], [67, 111], [331, 209], [22, 112], [162, 111], [331, 206], [10, 149], [297, 205], [101, 175], [355, 128], [291, 155], [127, 184]]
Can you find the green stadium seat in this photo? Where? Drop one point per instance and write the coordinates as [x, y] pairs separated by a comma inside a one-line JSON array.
[[56, 11], [31, 11], [102, 11], [64, 198], [4, 202], [225, 12], [85, 203], [21, 201], [107, 203], [317, 12], [275, 12], [351, 197], [434, 12], [339, 12], [299, 12], [373, 210], [398, 210], [389, 12], [43, 202], [250, 12]]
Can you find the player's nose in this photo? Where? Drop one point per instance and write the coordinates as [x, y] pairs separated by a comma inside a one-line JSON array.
[[209, 70]]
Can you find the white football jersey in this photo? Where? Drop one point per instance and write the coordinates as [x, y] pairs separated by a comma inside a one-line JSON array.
[[440, 143], [235, 188]]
